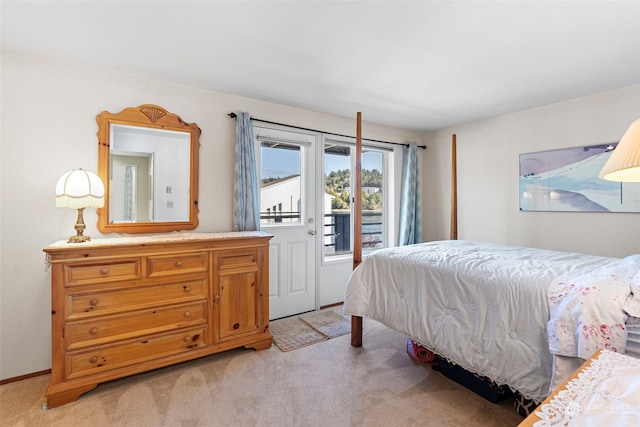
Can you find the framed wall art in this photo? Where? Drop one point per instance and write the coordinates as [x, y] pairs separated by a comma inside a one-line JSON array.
[[567, 180]]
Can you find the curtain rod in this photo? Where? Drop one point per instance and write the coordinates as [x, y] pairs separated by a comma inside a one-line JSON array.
[[234, 115]]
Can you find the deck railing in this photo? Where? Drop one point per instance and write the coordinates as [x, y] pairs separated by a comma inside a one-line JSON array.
[[337, 232], [337, 229]]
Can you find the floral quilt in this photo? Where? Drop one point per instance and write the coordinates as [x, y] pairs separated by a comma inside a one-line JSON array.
[[589, 311]]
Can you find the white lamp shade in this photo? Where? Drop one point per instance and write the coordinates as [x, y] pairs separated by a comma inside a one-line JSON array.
[[78, 189], [624, 163]]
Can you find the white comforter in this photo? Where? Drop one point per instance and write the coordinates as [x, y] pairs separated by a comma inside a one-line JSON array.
[[482, 306]]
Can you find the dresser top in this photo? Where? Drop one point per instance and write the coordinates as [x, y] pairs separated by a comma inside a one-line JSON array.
[[158, 238]]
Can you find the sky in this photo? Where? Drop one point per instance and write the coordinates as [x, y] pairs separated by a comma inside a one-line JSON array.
[[281, 163]]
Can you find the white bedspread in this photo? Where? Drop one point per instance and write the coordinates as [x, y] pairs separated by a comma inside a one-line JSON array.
[[482, 306]]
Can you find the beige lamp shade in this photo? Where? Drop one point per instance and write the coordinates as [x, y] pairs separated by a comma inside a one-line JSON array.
[[79, 189], [624, 163]]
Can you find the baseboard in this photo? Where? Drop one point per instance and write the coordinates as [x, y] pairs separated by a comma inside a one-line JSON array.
[[24, 377], [331, 305]]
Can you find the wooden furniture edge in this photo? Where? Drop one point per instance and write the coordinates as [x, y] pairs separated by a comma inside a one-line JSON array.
[[356, 331], [533, 418], [57, 396], [356, 321], [454, 190]]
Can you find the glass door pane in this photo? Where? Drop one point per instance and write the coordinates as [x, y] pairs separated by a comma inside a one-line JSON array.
[[337, 199], [338, 161], [372, 200], [280, 184]]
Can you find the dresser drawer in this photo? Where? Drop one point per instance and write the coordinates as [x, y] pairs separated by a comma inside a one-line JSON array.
[[84, 305], [129, 353], [78, 274], [168, 265], [102, 330], [238, 261]]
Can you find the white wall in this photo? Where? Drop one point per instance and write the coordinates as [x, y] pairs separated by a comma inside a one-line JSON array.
[[488, 169], [48, 127], [49, 111]]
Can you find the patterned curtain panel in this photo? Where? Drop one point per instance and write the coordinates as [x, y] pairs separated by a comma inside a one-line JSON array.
[[410, 212], [246, 210], [129, 204]]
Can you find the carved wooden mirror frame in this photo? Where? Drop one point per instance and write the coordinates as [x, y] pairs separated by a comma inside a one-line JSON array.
[[146, 116]]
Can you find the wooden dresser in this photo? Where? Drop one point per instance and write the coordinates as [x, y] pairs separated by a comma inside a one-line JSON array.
[[124, 305]]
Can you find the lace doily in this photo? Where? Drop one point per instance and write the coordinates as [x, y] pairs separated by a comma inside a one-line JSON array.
[[609, 385]]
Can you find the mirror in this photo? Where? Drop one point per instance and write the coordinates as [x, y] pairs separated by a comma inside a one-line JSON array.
[[148, 162]]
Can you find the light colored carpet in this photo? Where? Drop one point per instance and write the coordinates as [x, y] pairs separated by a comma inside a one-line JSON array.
[[328, 384]]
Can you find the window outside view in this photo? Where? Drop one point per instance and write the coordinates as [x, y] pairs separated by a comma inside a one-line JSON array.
[[281, 190], [280, 184], [338, 196]]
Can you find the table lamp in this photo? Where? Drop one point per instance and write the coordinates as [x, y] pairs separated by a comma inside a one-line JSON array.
[[624, 163], [78, 189]]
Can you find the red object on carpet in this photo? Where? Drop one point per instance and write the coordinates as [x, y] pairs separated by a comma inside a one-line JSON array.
[[419, 353]]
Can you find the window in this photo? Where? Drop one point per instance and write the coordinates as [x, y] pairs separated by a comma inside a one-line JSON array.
[[280, 183], [339, 167]]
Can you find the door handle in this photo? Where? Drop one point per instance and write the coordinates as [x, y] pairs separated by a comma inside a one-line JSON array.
[[312, 232]]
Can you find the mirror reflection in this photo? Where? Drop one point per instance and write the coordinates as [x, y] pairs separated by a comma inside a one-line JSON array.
[[136, 193]]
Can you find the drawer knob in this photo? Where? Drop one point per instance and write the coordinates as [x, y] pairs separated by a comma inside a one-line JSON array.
[[186, 288], [94, 359], [104, 271], [187, 339], [187, 314], [216, 298], [93, 302], [178, 263], [93, 331], [236, 325]]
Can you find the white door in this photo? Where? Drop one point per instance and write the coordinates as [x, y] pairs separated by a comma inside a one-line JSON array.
[[286, 169]]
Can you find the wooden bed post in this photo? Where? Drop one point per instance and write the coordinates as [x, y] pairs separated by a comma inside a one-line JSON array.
[[356, 321], [454, 190]]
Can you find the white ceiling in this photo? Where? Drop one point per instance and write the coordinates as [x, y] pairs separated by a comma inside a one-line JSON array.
[[418, 65]]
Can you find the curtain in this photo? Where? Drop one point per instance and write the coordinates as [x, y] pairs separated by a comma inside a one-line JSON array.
[[129, 204], [246, 210], [410, 212]]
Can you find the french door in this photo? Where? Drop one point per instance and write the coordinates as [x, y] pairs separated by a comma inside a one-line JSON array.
[[286, 168]]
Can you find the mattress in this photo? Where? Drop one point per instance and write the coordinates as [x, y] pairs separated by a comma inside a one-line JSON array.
[[479, 305]]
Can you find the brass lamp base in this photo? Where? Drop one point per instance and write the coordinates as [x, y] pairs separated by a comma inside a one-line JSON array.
[[79, 237]]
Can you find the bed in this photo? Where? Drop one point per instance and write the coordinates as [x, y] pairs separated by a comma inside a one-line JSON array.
[[482, 306], [522, 317]]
